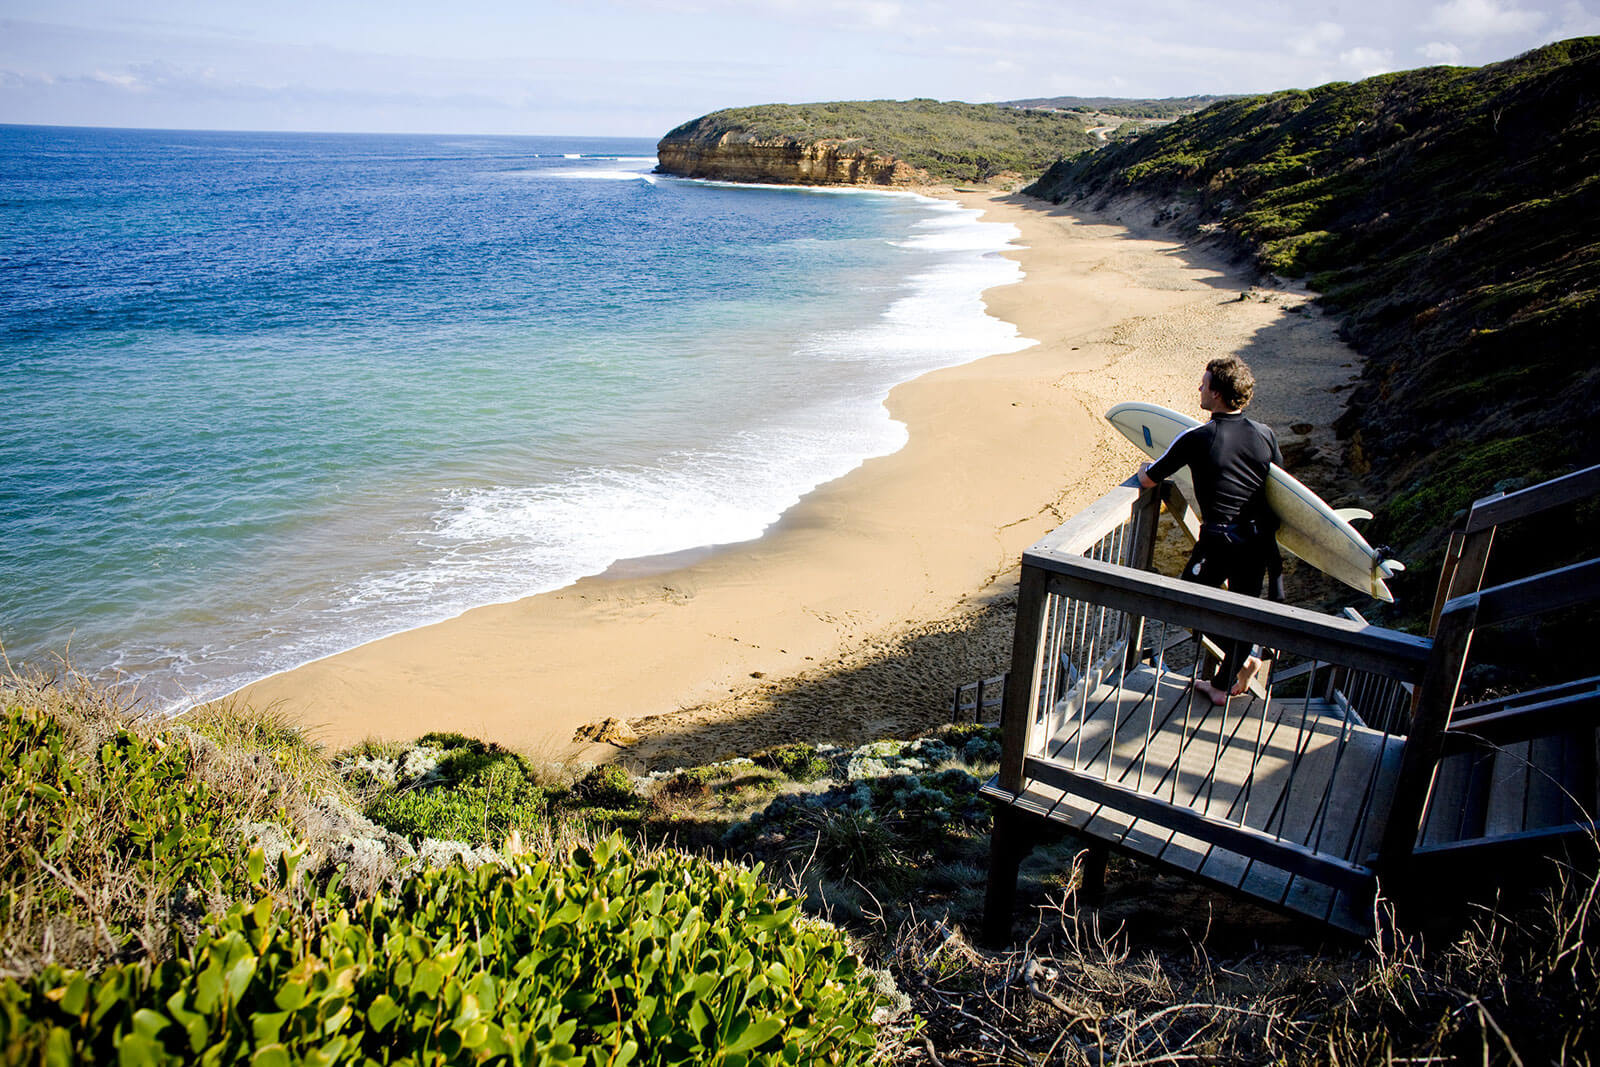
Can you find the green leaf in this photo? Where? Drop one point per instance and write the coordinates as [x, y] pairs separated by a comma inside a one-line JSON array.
[[239, 976], [291, 996], [265, 1025], [757, 1033], [58, 1050], [148, 1024], [135, 1050], [76, 996], [271, 1056], [256, 866], [337, 1020], [382, 1012], [430, 976]]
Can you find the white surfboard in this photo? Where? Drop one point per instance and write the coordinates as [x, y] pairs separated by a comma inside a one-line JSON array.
[[1307, 526]]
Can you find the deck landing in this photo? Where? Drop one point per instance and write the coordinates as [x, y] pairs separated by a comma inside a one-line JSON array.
[[1151, 737]]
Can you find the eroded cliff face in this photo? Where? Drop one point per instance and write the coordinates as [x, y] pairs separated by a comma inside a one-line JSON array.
[[781, 161]]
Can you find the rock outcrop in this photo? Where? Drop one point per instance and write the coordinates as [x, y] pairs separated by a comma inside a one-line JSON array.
[[780, 161]]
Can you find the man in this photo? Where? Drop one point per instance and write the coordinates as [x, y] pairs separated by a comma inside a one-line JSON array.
[[1228, 458]]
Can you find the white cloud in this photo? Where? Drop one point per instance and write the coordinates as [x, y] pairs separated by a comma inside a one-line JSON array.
[[1441, 52], [1575, 20], [1365, 62], [1484, 18], [1313, 41]]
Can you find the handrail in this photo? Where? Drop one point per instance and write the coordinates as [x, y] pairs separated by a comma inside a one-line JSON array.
[[1542, 593], [1465, 713], [1467, 556], [1500, 508], [1080, 532], [1574, 711], [1219, 611]]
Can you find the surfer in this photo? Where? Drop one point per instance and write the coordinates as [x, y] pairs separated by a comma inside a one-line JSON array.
[[1228, 458]]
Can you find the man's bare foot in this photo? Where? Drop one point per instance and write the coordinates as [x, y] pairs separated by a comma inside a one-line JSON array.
[[1246, 673], [1216, 694]]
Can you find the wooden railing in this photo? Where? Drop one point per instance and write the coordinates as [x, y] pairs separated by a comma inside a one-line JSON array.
[[1087, 608], [1328, 765], [1565, 707]]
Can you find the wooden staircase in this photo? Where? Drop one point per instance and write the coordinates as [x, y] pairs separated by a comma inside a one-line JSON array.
[[1351, 772]]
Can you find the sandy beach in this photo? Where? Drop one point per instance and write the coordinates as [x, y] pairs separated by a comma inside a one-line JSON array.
[[856, 615]]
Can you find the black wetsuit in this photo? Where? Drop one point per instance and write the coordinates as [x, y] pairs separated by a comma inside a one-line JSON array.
[[1228, 458]]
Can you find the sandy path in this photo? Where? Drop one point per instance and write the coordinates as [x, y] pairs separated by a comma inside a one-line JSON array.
[[860, 610]]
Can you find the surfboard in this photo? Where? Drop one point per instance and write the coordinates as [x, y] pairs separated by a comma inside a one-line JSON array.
[[1307, 526]]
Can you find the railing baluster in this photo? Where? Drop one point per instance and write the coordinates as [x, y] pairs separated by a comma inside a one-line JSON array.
[[1255, 758]]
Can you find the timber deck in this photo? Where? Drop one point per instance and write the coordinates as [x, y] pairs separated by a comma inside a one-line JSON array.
[[1152, 735]]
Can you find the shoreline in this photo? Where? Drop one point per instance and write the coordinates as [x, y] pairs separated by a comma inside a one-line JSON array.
[[858, 611]]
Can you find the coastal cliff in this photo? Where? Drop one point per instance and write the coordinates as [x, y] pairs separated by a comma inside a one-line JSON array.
[[872, 142], [782, 161]]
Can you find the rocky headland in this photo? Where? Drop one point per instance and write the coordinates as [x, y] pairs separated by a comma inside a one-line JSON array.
[[872, 143], [731, 155]]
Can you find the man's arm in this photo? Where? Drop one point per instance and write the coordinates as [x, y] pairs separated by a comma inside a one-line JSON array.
[[1175, 458]]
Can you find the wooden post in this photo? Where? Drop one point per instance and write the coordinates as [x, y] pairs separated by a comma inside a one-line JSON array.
[[1022, 684], [1464, 563], [1435, 699], [1009, 840], [1141, 553], [1009, 844]]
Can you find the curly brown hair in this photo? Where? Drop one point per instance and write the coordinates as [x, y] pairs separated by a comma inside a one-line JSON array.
[[1232, 381]]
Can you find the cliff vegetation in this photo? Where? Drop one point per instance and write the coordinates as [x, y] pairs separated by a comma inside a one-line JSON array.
[[221, 891], [885, 142], [1451, 217], [1170, 107]]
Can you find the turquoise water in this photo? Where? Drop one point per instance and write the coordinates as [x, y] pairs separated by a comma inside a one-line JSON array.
[[274, 395]]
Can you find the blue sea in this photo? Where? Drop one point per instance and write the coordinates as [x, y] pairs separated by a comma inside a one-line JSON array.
[[270, 396]]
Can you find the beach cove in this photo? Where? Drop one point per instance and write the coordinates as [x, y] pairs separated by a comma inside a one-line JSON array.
[[855, 614]]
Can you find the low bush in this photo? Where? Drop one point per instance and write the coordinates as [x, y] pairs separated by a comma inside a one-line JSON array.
[[607, 786], [603, 957], [101, 854], [482, 809], [799, 761]]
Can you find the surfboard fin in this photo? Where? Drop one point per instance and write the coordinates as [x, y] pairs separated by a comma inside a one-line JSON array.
[[1388, 566], [1352, 514]]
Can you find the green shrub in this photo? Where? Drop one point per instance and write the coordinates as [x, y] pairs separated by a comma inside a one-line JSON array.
[[799, 761], [601, 958], [117, 843], [977, 742], [607, 786], [495, 800]]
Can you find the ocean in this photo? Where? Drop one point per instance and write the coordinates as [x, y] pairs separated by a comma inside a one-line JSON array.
[[270, 396]]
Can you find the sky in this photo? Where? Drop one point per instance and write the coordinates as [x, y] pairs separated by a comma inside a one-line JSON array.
[[637, 68]]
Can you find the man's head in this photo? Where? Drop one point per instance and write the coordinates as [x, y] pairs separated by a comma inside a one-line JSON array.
[[1230, 384]]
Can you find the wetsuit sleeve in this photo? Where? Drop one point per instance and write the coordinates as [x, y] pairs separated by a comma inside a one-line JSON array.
[[1272, 439], [1178, 455]]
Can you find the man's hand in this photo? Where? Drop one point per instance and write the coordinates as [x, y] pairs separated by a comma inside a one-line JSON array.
[[1145, 479]]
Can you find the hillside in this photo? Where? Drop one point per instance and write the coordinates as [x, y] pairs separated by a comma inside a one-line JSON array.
[[876, 142], [1451, 217]]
